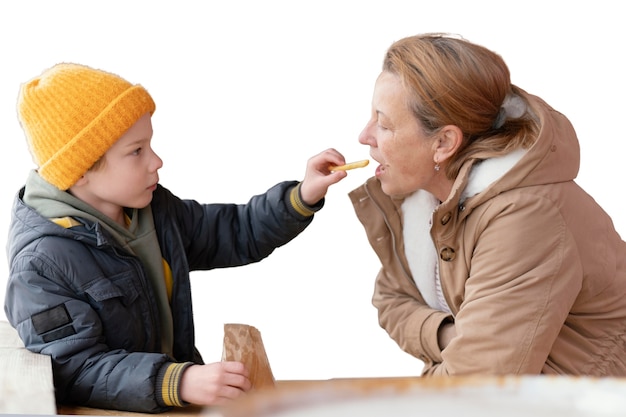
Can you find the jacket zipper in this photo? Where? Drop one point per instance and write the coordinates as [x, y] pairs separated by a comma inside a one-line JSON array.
[[407, 275], [395, 251]]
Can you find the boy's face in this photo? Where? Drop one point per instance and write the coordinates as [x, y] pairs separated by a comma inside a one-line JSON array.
[[128, 175]]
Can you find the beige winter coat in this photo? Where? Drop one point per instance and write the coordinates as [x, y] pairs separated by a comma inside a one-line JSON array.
[[531, 268]]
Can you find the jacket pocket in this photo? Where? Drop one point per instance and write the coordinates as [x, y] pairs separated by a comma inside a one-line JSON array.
[[122, 311], [121, 286]]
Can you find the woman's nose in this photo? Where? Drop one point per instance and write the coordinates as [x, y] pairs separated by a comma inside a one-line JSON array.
[[365, 137]]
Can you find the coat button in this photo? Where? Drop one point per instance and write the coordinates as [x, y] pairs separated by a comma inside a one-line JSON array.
[[447, 254], [446, 218]]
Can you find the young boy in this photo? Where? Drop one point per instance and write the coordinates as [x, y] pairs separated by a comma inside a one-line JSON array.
[[100, 253]]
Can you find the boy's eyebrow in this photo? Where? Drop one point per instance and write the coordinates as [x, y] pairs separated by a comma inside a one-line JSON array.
[[136, 143]]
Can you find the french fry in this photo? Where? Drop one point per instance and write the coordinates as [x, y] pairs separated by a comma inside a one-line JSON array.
[[351, 165]]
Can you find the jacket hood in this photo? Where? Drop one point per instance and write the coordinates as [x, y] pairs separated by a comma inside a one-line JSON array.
[[38, 201], [553, 158], [28, 225]]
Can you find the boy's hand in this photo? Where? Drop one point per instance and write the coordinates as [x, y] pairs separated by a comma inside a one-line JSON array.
[[214, 384], [318, 177]]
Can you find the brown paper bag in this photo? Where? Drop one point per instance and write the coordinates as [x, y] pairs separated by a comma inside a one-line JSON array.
[[243, 343]]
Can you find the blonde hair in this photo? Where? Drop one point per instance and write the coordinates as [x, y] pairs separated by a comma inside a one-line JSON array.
[[455, 82]]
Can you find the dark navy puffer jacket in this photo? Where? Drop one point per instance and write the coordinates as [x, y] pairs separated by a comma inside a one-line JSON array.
[[75, 295]]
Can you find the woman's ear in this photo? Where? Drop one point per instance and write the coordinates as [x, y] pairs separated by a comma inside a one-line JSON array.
[[448, 142]]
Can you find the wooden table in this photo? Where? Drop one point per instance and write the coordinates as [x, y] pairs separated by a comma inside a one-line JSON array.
[[536, 396], [88, 411], [191, 411], [26, 385]]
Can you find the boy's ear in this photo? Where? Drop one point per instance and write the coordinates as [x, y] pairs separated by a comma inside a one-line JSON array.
[[449, 140], [81, 181]]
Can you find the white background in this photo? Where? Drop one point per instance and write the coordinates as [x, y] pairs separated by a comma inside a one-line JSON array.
[[247, 91]]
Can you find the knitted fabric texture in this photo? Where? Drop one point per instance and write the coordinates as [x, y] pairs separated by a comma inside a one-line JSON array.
[[71, 116]]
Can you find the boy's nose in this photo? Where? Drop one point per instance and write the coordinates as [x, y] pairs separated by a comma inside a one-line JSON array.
[[158, 162]]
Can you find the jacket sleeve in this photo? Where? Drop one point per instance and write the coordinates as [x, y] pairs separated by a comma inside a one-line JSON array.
[[225, 235], [411, 323], [524, 277], [56, 320]]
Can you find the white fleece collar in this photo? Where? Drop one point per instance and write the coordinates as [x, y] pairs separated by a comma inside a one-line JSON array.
[[486, 172], [417, 210]]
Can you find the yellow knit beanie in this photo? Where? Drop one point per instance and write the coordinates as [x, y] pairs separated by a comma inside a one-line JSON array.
[[71, 116]]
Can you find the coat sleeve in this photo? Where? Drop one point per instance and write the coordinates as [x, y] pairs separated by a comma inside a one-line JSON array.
[[408, 320], [54, 319], [225, 235], [524, 277]]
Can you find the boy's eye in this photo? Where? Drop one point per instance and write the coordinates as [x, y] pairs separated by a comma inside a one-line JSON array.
[[137, 151]]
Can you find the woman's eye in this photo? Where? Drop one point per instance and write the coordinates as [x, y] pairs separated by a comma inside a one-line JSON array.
[[382, 124]]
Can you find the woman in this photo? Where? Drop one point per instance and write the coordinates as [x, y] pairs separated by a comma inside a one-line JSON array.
[[494, 261]]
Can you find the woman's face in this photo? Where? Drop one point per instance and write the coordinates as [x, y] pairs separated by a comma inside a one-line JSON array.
[[397, 141]]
